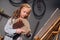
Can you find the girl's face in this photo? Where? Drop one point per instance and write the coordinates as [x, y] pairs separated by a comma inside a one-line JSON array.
[[24, 12]]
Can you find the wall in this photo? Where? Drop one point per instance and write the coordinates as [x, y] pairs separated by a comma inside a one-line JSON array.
[[8, 9]]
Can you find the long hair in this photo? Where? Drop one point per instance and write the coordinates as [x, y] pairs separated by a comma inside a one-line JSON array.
[[16, 13]]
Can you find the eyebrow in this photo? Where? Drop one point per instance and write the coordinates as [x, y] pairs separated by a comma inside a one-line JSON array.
[[26, 12]]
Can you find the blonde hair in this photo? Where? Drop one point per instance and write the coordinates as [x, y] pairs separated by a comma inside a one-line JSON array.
[[16, 13]]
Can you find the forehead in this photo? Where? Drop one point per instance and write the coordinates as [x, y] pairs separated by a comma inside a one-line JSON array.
[[25, 9]]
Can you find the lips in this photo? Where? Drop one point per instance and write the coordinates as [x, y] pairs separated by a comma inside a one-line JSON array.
[[25, 16]]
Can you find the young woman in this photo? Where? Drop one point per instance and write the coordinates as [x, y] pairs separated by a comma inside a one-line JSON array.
[[21, 14]]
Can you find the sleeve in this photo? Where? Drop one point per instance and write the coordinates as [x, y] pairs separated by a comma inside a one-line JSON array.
[[8, 28]]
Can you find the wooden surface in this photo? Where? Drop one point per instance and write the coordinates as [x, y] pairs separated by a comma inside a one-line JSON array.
[[47, 28]]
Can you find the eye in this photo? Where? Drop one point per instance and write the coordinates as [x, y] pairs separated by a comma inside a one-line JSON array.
[[24, 11]]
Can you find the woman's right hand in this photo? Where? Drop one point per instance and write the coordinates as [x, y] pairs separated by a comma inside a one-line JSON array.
[[20, 31]]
